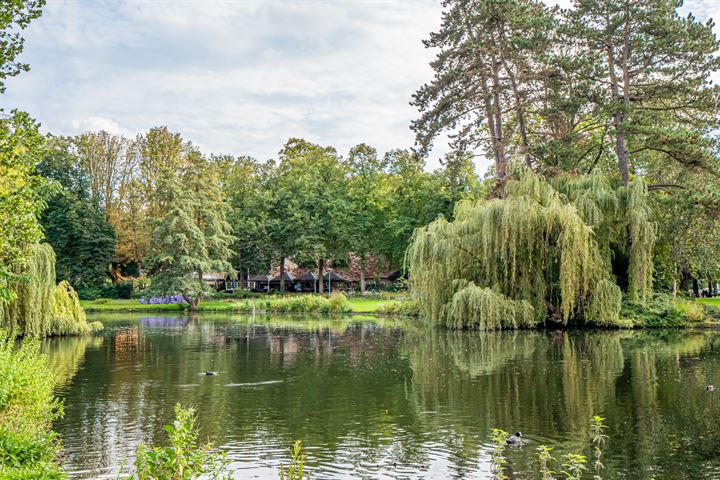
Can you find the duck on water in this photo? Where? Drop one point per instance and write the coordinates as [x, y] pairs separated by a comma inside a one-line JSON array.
[[515, 439]]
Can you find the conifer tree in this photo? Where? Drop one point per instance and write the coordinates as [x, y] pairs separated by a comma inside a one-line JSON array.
[[650, 73], [487, 77], [192, 237]]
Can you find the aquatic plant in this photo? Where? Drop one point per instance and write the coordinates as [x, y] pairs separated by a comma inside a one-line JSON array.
[[499, 441], [41, 308], [547, 243], [574, 466], [544, 454], [296, 469], [597, 429], [184, 458]]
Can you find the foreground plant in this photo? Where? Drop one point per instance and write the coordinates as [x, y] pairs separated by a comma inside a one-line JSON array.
[[499, 439], [544, 454], [184, 458], [296, 470], [597, 428], [28, 446]]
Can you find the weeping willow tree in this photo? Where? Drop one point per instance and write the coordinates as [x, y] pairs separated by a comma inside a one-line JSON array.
[[551, 250], [41, 308]]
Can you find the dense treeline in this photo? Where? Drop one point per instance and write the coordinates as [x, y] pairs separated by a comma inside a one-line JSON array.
[[123, 201], [602, 122]]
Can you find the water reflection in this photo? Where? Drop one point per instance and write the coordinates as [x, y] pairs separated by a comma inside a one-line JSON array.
[[390, 399]]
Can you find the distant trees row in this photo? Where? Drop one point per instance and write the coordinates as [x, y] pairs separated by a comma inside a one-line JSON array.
[[155, 202]]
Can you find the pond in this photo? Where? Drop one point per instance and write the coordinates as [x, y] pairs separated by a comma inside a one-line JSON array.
[[373, 398]]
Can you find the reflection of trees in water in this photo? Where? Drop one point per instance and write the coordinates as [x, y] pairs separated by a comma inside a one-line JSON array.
[[66, 354], [336, 387], [371, 394], [650, 385]]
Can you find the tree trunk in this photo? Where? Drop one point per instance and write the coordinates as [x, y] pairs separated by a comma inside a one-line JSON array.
[[685, 282], [193, 302], [282, 274], [501, 167], [491, 124], [519, 110], [696, 287], [674, 287], [618, 119], [321, 268]]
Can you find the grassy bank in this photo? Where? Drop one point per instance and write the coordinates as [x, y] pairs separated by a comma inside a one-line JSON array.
[[286, 304]]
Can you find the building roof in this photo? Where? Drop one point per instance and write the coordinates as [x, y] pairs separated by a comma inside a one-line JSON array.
[[334, 277], [288, 277], [307, 277], [213, 276], [260, 278]]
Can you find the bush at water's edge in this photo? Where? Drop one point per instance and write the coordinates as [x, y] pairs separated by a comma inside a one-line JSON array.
[[28, 446]]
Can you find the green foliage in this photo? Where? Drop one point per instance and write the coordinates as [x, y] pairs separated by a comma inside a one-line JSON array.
[[479, 308], [184, 458], [21, 190], [192, 236], [15, 15], [121, 290], [336, 303], [28, 448], [40, 307], [77, 229], [663, 311], [296, 469], [574, 466], [406, 307], [597, 429], [544, 455], [542, 252], [499, 441]]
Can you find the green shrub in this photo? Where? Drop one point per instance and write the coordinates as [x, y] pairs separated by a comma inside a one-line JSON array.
[[408, 308], [689, 310], [338, 303], [90, 293], [301, 303], [123, 290], [711, 312], [28, 447], [658, 312]]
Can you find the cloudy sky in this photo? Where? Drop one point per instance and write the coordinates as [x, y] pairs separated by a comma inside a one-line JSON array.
[[235, 76]]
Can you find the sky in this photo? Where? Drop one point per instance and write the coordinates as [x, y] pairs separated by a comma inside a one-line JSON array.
[[236, 77]]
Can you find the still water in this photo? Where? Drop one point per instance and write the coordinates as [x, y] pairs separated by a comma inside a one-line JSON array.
[[388, 398]]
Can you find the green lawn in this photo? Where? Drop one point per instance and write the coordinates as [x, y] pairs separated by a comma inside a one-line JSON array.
[[359, 305], [709, 301], [132, 305], [365, 305]]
